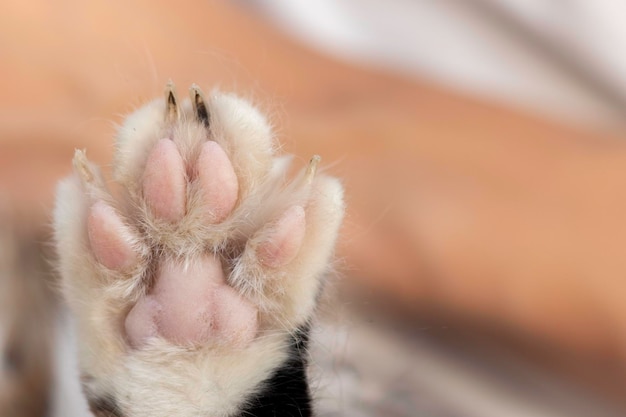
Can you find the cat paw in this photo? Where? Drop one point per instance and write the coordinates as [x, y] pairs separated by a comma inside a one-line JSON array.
[[193, 276]]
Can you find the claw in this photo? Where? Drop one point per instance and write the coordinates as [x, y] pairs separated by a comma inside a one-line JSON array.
[[312, 168], [199, 106], [82, 168], [90, 176], [171, 105]]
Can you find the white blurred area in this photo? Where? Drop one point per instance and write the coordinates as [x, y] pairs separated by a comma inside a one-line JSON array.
[[561, 58]]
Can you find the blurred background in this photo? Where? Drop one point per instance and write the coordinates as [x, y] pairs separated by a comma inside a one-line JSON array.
[[482, 143]]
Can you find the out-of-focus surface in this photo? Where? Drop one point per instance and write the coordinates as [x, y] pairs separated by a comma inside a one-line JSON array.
[[553, 57], [25, 333], [367, 370], [462, 212]]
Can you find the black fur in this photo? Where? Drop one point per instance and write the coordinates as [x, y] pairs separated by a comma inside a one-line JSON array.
[[286, 392], [104, 407]]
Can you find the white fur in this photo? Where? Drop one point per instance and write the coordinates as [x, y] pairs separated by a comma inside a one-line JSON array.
[[162, 379]]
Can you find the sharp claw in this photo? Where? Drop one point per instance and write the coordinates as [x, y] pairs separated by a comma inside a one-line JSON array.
[[312, 168], [171, 105], [199, 106], [82, 168]]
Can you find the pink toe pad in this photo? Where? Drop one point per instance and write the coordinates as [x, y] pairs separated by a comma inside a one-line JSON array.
[[284, 242], [109, 237], [218, 182], [164, 182]]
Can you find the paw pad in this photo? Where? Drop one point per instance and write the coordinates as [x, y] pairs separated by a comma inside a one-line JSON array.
[[218, 182], [192, 305], [111, 241], [164, 182], [284, 240]]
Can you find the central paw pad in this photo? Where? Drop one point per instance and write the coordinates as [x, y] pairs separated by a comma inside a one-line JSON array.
[[192, 304]]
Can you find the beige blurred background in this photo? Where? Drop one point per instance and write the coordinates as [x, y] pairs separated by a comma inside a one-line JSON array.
[[481, 143]]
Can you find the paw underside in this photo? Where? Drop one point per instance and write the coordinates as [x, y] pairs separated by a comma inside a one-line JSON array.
[[193, 274]]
